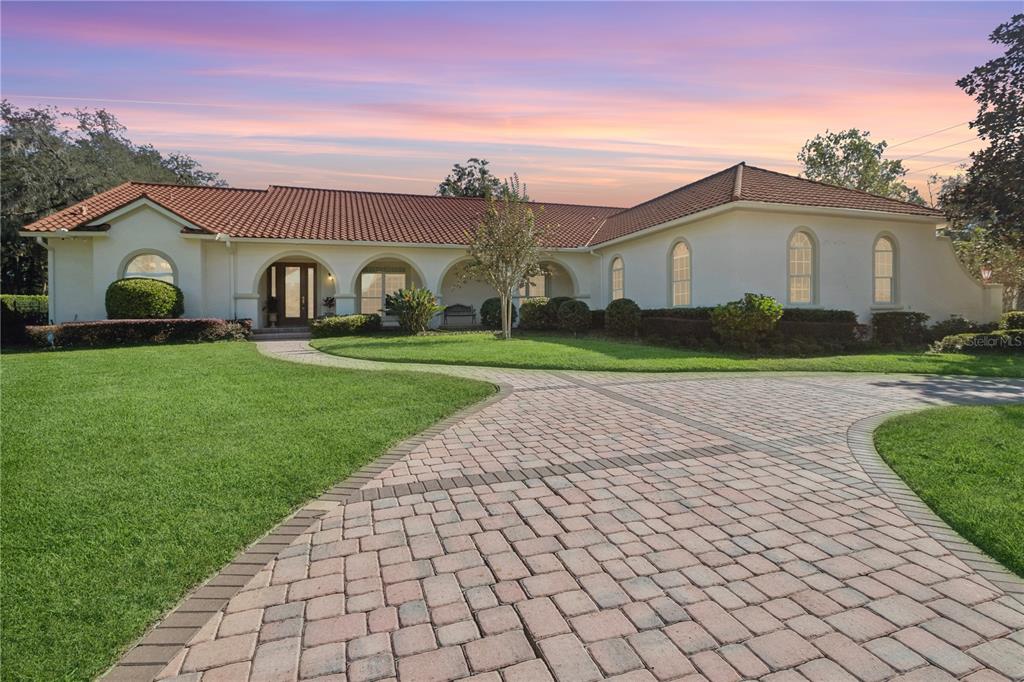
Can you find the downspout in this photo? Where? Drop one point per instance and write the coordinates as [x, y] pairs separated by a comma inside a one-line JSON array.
[[51, 280]]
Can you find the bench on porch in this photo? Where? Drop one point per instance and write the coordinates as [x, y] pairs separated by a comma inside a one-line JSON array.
[[459, 310]]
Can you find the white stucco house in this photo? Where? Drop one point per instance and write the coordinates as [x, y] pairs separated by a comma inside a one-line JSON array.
[[741, 229]]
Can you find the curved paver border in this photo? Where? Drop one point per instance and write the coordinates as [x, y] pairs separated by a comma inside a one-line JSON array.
[[860, 438], [151, 653]]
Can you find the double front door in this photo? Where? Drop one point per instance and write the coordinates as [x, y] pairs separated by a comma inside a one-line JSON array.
[[293, 285]]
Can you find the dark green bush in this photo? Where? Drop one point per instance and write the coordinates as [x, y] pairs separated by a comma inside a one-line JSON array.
[[137, 298], [597, 320], [622, 318], [696, 313], [952, 326], [1001, 341], [677, 331], [126, 332], [344, 325], [490, 313], [830, 335], [818, 315], [414, 308], [1012, 320], [747, 322], [574, 316], [899, 328], [533, 313], [18, 311], [554, 305]]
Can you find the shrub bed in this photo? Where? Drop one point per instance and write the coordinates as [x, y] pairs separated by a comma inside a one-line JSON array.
[[533, 314], [137, 298], [552, 309], [1001, 341], [747, 322], [344, 325], [899, 328], [677, 331], [127, 332], [18, 311], [1012, 320], [622, 317], [414, 307], [490, 313], [574, 316]]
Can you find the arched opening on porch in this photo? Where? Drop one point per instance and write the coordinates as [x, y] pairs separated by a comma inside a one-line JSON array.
[[293, 290], [380, 277]]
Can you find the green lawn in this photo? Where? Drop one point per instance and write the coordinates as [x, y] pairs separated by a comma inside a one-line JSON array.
[[131, 474], [967, 464], [542, 351]]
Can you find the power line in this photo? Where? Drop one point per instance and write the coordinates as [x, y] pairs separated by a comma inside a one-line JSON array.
[[900, 144], [939, 149], [940, 165]]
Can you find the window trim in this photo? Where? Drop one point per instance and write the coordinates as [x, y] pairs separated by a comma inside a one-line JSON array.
[[815, 256], [611, 277], [894, 278], [671, 272], [127, 260]]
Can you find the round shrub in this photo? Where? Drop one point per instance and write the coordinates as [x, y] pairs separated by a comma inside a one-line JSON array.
[[747, 322], [137, 298], [490, 313], [574, 316], [554, 305], [622, 317], [533, 313]]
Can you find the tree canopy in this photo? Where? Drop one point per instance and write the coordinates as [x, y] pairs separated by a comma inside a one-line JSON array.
[[850, 159], [504, 249], [991, 194], [52, 159], [472, 180]]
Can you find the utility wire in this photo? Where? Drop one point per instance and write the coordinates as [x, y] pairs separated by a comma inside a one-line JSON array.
[[939, 149], [900, 144], [940, 165]]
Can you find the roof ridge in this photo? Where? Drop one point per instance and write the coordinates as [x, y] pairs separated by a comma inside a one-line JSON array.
[[848, 189], [433, 196], [178, 184], [679, 189]]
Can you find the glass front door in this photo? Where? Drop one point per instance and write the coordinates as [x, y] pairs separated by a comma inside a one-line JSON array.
[[294, 287]]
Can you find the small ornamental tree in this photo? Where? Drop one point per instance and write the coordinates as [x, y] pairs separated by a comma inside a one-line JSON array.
[[746, 322], [504, 249]]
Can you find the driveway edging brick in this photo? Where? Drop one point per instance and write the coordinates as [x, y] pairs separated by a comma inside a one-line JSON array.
[[151, 653], [860, 437]]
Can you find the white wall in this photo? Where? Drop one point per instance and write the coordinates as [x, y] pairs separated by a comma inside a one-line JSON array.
[[733, 252], [741, 251]]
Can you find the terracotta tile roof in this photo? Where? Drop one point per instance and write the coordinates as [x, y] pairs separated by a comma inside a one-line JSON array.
[[305, 213], [747, 183]]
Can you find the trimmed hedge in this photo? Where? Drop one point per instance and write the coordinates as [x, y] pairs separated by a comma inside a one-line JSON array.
[[818, 315], [677, 331], [1012, 320], [597, 320], [553, 308], [622, 317], [137, 298], [696, 313], [899, 328], [126, 332], [574, 316], [18, 311], [843, 333], [1001, 341], [344, 325], [490, 313], [533, 314]]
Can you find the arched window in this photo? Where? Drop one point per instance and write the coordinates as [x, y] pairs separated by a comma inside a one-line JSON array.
[[618, 279], [885, 270], [681, 274], [801, 268], [150, 266]]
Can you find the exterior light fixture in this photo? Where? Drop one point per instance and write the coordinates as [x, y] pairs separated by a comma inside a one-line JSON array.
[[986, 272]]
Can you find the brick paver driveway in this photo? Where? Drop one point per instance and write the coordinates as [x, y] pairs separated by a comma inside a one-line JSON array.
[[637, 527]]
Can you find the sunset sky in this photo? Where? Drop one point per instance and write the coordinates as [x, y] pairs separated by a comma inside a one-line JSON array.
[[607, 103]]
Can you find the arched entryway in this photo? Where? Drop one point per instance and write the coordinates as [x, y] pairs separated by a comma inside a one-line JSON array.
[[294, 290], [380, 277]]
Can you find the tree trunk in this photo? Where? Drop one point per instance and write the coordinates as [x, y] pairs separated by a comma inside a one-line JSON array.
[[505, 316]]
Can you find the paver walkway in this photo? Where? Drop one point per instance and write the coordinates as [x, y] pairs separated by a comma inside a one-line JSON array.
[[636, 527]]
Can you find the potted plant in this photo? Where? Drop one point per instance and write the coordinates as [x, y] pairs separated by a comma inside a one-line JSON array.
[[271, 307], [328, 304]]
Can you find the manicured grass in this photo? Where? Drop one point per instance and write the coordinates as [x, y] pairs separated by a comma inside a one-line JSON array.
[[131, 474], [542, 351], [967, 464]]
